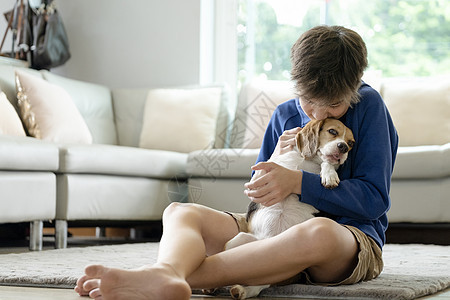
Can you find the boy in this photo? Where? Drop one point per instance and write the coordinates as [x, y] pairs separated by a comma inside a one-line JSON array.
[[327, 66]]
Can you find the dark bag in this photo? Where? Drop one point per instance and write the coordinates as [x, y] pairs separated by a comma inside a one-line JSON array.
[[50, 46], [18, 23]]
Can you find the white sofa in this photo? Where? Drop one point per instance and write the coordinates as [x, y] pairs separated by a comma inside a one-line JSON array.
[[112, 179], [420, 108]]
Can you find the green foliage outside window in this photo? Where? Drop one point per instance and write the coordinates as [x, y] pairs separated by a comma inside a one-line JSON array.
[[404, 37]]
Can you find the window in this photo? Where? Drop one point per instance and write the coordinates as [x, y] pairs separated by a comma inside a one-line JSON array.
[[403, 37]]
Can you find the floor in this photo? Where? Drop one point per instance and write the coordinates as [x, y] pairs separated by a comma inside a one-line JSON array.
[[22, 293]]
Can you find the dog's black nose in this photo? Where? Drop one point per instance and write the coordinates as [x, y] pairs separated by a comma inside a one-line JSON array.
[[343, 148]]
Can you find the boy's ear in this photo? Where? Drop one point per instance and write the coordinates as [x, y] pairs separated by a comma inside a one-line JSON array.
[[308, 138]]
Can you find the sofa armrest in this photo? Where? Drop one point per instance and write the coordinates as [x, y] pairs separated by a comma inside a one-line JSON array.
[[222, 163], [422, 162]]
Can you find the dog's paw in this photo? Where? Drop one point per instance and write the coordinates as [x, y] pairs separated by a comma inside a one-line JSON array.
[[330, 181], [243, 292], [238, 292], [329, 176], [209, 291], [240, 239]]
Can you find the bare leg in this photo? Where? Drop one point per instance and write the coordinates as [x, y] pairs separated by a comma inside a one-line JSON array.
[[191, 232], [327, 249]]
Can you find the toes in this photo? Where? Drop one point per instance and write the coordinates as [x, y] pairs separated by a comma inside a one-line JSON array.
[[81, 280], [91, 284], [95, 271], [79, 287], [80, 291], [96, 294]]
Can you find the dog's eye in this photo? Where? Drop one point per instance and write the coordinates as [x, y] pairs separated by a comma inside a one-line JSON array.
[[333, 132], [351, 144]]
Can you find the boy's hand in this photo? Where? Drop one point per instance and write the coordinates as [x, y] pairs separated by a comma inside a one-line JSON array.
[[286, 142], [275, 185]]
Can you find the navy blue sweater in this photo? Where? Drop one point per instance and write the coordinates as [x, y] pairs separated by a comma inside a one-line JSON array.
[[362, 197]]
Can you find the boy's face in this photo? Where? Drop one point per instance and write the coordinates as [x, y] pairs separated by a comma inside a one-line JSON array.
[[321, 112]]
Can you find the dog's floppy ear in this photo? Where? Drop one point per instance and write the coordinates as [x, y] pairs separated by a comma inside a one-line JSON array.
[[308, 138]]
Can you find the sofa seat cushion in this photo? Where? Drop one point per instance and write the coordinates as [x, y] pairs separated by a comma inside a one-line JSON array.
[[420, 201], [411, 163], [222, 163], [27, 154], [422, 162], [100, 197], [119, 160], [27, 196]]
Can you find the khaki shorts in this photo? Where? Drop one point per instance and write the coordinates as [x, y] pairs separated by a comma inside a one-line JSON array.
[[370, 261]]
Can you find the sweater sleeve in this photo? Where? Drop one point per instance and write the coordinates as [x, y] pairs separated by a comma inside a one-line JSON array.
[[274, 130], [363, 192]]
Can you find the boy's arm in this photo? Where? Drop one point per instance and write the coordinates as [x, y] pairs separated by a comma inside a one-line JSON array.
[[363, 192]]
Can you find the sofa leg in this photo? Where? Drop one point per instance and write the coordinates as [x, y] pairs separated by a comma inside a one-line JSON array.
[[60, 234], [36, 235]]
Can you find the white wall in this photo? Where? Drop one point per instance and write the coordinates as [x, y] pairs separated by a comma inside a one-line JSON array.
[[132, 43]]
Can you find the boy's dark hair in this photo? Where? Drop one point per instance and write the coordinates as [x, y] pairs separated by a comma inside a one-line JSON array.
[[327, 65]]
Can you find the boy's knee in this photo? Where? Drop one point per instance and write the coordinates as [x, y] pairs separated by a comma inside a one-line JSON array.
[[177, 208], [171, 208], [319, 232], [324, 229]]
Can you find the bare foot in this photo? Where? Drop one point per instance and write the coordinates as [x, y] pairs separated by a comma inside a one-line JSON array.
[[158, 282]]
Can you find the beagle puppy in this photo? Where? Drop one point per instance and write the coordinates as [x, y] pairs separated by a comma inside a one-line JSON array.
[[321, 147]]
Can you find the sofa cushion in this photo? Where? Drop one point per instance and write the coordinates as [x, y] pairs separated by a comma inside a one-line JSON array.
[[222, 163], [257, 101], [94, 103], [27, 153], [27, 196], [422, 162], [10, 123], [129, 112], [129, 106], [420, 201], [181, 120], [120, 160], [99, 197], [8, 81], [419, 108], [48, 111], [225, 116]]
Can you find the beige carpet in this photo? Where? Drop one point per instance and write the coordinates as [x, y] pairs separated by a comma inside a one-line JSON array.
[[410, 271]]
